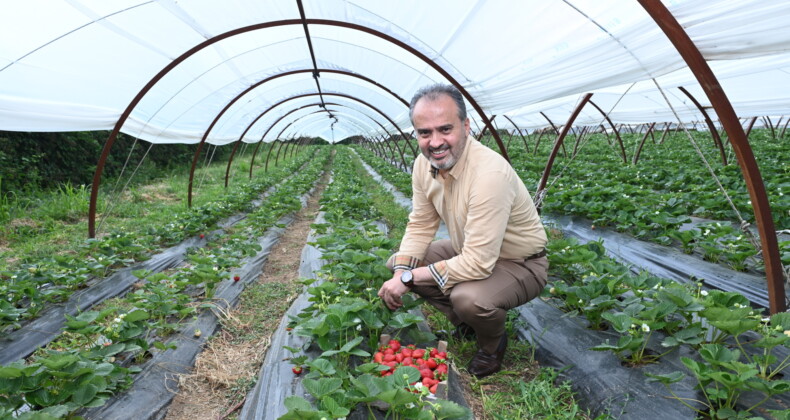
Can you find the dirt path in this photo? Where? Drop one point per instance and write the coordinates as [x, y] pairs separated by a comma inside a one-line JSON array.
[[225, 371]]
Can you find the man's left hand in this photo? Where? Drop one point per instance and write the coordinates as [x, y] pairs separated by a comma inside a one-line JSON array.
[[391, 292]]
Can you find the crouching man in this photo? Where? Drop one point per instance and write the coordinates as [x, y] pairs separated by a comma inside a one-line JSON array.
[[495, 258]]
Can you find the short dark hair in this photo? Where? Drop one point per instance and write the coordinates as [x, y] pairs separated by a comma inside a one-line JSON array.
[[432, 92]]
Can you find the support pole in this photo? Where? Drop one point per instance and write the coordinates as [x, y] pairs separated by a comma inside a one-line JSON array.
[[751, 172], [547, 171]]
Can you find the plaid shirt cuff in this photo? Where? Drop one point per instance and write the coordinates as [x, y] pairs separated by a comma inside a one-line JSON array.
[[404, 262], [440, 272]]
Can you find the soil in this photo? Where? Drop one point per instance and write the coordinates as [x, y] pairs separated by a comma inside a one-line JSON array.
[[225, 371]]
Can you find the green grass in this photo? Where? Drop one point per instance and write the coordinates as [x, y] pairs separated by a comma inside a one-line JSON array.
[[40, 224]]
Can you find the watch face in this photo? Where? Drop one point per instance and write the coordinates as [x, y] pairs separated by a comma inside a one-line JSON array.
[[406, 277]]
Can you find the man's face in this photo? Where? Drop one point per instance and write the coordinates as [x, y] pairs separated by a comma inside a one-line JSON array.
[[440, 133]]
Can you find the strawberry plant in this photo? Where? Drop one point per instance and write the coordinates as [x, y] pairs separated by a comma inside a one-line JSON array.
[[344, 310], [124, 332]]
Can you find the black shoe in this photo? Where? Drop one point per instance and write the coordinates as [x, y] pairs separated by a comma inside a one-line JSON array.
[[484, 364], [461, 332]]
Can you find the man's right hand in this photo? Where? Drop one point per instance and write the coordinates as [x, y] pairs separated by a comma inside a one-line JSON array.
[[391, 292]]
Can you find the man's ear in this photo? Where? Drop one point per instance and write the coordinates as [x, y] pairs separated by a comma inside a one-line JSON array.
[[466, 126]]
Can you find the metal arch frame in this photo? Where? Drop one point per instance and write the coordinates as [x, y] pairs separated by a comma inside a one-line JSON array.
[[170, 66], [230, 160], [559, 142], [197, 152], [740, 144], [711, 127], [256, 85], [526, 146], [352, 119], [259, 143], [614, 128], [638, 151], [384, 129], [252, 162], [236, 145]]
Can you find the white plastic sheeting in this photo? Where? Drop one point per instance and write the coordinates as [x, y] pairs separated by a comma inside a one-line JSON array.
[[69, 65]]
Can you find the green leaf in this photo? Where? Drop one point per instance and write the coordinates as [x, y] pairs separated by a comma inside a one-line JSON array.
[[717, 354], [398, 396], [351, 344], [7, 372], [323, 366], [666, 379], [335, 409], [297, 403], [620, 321], [58, 361], [104, 369], [323, 386], [368, 385], [734, 321], [84, 394], [136, 315], [781, 319], [444, 409]]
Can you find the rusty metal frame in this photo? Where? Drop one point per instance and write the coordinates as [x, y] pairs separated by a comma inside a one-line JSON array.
[[614, 128], [579, 137], [230, 159], [547, 171], [751, 172], [556, 131], [711, 127], [767, 121], [255, 85], [638, 151], [750, 126], [526, 148], [667, 126], [306, 95], [537, 141], [784, 128], [178, 60]]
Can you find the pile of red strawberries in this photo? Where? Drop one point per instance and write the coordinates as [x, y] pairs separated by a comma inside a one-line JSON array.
[[431, 363]]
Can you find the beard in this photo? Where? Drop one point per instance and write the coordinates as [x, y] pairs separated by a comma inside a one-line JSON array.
[[450, 159]]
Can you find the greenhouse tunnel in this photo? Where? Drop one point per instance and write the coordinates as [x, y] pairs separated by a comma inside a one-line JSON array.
[[543, 80]]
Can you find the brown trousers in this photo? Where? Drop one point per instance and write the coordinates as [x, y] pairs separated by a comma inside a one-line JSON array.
[[483, 304]]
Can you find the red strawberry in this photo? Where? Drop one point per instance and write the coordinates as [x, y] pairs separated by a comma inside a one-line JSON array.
[[441, 368], [394, 344], [202, 236], [389, 350], [389, 357], [434, 352], [431, 363], [426, 373], [406, 352], [297, 370], [418, 353], [236, 278], [407, 361], [378, 357], [441, 355], [433, 388]]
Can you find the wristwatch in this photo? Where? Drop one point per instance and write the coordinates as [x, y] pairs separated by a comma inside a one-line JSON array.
[[407, 278]]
